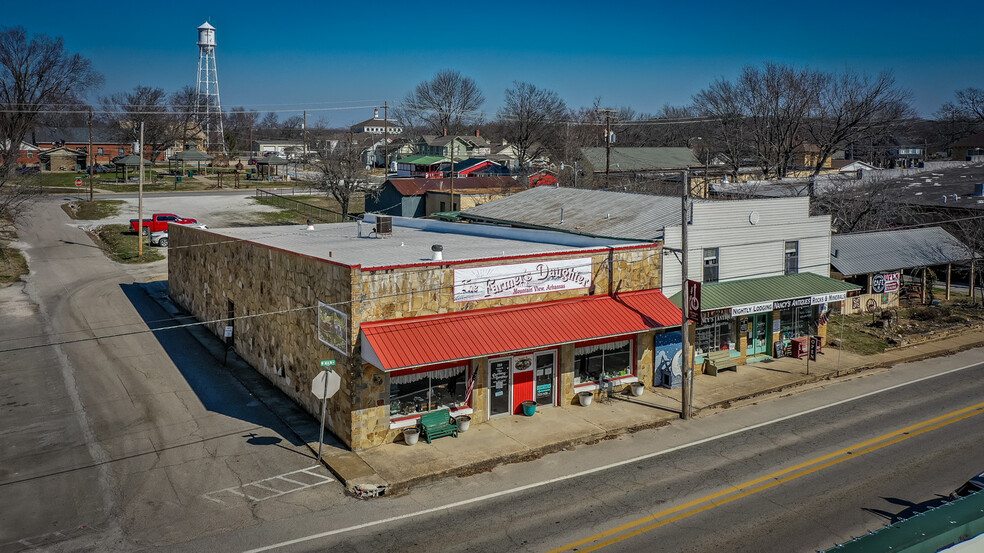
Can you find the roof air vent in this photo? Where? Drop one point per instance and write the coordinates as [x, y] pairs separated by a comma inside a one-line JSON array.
[[438, 252]]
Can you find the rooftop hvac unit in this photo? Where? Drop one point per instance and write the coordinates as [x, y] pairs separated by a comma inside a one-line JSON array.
[[384, 225]]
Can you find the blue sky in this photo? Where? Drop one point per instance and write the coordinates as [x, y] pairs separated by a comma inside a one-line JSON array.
[[338, 59]]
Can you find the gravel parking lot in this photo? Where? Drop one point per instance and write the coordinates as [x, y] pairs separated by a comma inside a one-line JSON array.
[[214, 210]]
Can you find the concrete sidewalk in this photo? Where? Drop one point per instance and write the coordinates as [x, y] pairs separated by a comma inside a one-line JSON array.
[[509, 439], [391, 468]]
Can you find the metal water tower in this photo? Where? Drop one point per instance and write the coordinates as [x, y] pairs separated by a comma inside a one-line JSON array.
[[207, 104]]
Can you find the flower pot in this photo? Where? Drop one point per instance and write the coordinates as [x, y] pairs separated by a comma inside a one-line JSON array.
[[464, 421], [637, 388], [529, 407], [410, 435], [585, 398]]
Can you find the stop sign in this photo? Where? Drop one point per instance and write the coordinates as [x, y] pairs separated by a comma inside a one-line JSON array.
[[78, 182], [325, 384]]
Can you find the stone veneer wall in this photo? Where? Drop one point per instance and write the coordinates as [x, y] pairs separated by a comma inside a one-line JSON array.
[[205, 270]]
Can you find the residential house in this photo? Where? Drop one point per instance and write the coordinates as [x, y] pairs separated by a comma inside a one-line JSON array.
[[105, 143], [422, 197], [464, 320], [970, 148], [27, 155], [63, 159], [763, 264], [543, 177], [475, 167], [287, 149], [460, 147], [420, 166]]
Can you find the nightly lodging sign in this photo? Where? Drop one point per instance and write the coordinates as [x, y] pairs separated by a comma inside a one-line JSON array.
[[521, 279]]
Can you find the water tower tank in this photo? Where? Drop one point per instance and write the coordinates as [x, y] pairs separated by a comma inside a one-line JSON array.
[[206, 36]]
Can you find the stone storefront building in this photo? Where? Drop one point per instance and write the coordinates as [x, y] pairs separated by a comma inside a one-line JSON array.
[[431, 315]]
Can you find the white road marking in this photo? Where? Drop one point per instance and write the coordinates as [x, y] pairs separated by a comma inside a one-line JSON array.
[[296, 486], [587, 472]]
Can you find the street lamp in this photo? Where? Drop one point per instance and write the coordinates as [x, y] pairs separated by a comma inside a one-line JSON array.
[[575, 173]]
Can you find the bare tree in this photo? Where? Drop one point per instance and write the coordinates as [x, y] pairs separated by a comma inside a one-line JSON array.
[[446, 103], [852, 107], [124, 111], [270, 125], [187, 119], [857, 207], [722, 104], [36, 74], [969, 102], [238, 124], [342, 171], [529, 117]]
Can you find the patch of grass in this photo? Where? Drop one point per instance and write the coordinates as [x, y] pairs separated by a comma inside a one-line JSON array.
[[91, 211], [855, 340], [119, 243], [13, 265]]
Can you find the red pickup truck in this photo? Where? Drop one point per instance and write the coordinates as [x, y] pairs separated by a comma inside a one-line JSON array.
[[159, 222]]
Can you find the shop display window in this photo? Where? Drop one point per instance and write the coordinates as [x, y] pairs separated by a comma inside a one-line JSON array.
[[798, 321], [714, 336], [415, 393], [614, 359]]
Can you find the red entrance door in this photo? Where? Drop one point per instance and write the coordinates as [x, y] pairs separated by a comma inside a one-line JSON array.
[[522, 382]]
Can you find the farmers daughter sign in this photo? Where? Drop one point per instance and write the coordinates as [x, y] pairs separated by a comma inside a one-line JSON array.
[[521, 279]]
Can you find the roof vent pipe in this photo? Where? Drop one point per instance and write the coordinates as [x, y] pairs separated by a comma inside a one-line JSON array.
[[836, 252], [310, 224], [562, 216], [438, 252], [359, 222]]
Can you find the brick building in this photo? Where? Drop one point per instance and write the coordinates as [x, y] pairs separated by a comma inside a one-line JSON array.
[[431, 315]]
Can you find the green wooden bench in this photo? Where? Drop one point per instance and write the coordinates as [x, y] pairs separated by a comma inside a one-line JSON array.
[[719, 360], [438, 424]]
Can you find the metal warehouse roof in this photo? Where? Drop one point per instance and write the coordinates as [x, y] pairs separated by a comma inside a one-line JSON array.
[[417, 341], [581, 211], [874, 252], [720, 295]]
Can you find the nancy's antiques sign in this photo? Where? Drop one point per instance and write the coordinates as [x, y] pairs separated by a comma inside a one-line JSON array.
[[521, 279]]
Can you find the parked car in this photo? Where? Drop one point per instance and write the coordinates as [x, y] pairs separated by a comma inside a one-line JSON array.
[[973, 485], [159, 239]]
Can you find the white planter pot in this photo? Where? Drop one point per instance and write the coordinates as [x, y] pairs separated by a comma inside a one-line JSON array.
[[464, 421], [410, 435], [637, 388], [585, 398]]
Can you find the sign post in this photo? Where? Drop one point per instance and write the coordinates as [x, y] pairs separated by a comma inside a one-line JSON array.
[[78, 182], [323, 387]]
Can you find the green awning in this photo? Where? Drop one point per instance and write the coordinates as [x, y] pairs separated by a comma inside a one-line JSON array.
[[757, 293]]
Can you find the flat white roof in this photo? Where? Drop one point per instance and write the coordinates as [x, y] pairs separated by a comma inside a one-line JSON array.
[[341, 243]]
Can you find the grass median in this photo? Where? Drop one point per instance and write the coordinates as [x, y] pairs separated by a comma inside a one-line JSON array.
[[119, 243]]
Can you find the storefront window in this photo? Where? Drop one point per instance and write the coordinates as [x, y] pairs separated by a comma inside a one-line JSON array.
[[714, 336], [428, 391], [614, 359], [797, 321]]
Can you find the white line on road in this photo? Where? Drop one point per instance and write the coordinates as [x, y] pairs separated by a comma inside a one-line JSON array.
[[617, 464], [297, 486]]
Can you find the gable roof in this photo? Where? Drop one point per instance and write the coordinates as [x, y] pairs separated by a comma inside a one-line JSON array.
[[972, 141], [640, 159], [191, 154], [375, 123], [600, 213], [418, 187], [891, 250]]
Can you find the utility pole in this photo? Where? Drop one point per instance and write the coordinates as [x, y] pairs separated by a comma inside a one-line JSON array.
[[452, 174], [385, 138], [92, 158], [608, 142], [304, 125], [687, 390], [140, 196]]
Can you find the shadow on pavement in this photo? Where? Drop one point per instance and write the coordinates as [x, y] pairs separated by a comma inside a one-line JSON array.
[[217, 389], [909, 510]]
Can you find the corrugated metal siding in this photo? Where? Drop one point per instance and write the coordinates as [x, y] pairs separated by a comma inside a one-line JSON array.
[[420, 341], [875, 252]]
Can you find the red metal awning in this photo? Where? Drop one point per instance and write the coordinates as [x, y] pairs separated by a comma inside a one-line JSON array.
[[417, 341]]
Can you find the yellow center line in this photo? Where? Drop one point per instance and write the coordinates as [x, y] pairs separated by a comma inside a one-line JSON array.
[[768, 481]]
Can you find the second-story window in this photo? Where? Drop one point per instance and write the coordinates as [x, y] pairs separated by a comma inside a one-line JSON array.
[[710, 264], [792, 257]]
